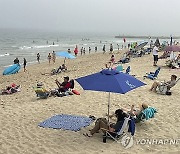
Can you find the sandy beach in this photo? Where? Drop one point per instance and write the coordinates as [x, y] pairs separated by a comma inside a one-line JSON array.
[[22, 112]]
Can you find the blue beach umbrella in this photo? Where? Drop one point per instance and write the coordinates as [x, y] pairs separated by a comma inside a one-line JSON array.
[[65, 54], [109, 80]]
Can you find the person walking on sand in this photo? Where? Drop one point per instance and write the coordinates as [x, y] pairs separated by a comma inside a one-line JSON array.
[[54, 57], [38, 58], [24, 64], [49, 58], [155, 55]]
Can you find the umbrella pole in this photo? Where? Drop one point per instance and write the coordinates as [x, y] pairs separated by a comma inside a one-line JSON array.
[[108, 106], [64, 60]]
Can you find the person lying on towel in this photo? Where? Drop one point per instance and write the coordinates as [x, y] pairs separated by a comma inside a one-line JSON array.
[[13, 88]]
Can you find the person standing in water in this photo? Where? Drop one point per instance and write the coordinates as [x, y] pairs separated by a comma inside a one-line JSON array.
[[54, 57], [84, 51], [24, 64], [111, 48], [38, 58], [49, 58], [95, 49], [81, 51], [89, 50], [104, 49]]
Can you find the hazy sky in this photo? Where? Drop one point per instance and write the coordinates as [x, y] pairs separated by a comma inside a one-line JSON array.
[[151, 17]]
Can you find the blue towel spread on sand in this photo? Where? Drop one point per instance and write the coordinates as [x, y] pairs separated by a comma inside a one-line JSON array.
[[149, 112], [66, 122]]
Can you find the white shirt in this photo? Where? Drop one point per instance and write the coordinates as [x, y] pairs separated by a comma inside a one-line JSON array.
[[155, 50]]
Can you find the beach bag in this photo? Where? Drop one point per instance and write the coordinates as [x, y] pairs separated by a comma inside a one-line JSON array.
[[75, 92], [168, 93]]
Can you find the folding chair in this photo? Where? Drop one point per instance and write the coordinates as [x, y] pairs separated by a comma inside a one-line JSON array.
[[153, 75], [116, 135], [41, 94], [163, 89], [128, 70]]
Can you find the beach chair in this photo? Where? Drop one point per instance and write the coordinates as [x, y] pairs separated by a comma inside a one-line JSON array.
[[153, 75], [121, 132], [128, 70], [41, 94], [146, 114], [164, 89], [119, 68]]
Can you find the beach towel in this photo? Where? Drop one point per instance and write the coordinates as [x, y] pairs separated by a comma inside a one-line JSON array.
[[66, 122], [149, 112]]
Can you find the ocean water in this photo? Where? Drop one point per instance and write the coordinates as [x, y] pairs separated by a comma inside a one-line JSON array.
[[26, 44]]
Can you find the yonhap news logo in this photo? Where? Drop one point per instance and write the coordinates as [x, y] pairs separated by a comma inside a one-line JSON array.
[[128, 141]]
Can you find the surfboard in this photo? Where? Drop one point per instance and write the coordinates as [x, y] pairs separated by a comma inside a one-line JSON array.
[[12, 69]]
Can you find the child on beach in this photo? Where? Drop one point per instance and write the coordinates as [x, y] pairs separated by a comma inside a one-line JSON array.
[[49, 58]]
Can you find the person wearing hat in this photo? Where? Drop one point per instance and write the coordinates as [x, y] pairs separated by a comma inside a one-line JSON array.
[[64, 86]]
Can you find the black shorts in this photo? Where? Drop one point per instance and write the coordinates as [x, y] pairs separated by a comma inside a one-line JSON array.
[[155, 57]]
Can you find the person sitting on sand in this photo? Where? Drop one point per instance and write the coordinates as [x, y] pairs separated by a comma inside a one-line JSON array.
[[170, 83], [63, 87], [111, 62], [61, 68], [102, 123]]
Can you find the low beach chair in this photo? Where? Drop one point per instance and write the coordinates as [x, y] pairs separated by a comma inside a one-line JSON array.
[[119, 68], [153, 75], [41, 94], [127, 123], [128, 70], [164, 89], [146, 114]]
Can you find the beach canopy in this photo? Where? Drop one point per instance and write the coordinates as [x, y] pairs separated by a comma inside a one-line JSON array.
[[109, 80], [65, 54], [142, 45], [172, 48]]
